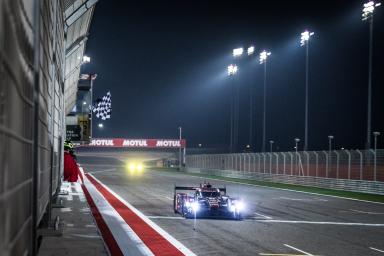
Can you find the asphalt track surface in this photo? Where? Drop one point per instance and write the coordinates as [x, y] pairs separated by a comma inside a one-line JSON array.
[[276, 222]]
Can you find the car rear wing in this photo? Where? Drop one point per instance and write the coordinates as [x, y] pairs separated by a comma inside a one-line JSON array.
[[223, 189], [184, 188]]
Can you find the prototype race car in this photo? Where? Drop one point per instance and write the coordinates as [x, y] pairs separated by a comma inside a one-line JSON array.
[[206, 201]]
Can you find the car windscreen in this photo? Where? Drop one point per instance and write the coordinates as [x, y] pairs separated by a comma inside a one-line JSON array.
[[210, 194]]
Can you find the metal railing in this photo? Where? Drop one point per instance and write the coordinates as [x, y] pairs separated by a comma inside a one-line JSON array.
[[349, 165]]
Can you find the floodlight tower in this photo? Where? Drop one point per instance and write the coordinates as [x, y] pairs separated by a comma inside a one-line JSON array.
[[263, 60], [250, 51], [367, 15], [304, 41], [231, 71], [238, 52]]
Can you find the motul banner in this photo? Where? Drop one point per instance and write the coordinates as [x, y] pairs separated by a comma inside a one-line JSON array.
[[138, 143]]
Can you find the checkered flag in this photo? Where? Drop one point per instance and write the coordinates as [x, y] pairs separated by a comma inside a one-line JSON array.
[[103, 107]]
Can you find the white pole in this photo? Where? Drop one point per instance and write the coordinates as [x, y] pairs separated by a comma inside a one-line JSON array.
[[180, 147]]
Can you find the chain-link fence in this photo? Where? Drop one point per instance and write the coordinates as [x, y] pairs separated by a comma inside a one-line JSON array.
[[352, 165]]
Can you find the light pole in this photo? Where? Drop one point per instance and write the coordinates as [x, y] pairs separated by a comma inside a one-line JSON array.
[[297, 140], [367, 15], [231, 71], [238, 52], [180, 130], [91, 77], [375, 134], [250, 51], [305, 36], [271, 145], [263, 60], [330, 138]]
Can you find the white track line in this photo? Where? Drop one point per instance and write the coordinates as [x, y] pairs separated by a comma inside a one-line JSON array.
[[262, 215], [296, 249], [323, 223], [376, 249], [167, 217], [295, 199], [106, 170], [285, 189], [161, 231], [374, 213]]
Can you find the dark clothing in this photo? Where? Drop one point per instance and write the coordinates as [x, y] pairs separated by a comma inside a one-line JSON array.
[[71, 170]]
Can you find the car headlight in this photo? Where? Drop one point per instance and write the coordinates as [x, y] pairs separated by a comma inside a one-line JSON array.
[[195, 206], [132, 167], [140, 167], [239, 205]]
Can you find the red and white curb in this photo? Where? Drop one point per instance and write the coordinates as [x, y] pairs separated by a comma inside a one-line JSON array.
[[126, 230]]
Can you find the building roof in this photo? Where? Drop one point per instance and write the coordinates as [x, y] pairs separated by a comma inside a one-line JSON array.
[[77, 15]]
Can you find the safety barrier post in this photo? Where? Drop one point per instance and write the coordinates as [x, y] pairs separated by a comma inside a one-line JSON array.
[[270, 162], [374, 163], [277, 163], [291, 155], [337, 164], [327, 163], [307, 154], [263, 154], [249, 162], [361, 163], [349, 163], [317, 163], [254, 162]]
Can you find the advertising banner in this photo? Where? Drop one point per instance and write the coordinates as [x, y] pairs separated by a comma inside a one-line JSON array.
[[138, 143]]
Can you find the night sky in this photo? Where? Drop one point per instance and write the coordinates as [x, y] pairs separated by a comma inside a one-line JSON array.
[[165, 64]]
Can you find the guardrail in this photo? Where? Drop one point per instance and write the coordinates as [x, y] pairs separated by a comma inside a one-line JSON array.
[[353, 170]]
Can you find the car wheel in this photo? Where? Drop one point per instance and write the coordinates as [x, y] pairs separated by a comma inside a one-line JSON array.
[[237, 215], [174, 204]]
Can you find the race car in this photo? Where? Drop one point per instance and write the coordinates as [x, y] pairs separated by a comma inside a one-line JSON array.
[[134, 167], [206, 201]]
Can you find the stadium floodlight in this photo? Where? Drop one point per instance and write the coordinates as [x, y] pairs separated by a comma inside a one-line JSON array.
[[304, 41], [263, 56], [367, 15], [237, 52], [368, 9], [232, 70], [305, 36], [263, 60], [250, 50], [86, 59]]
